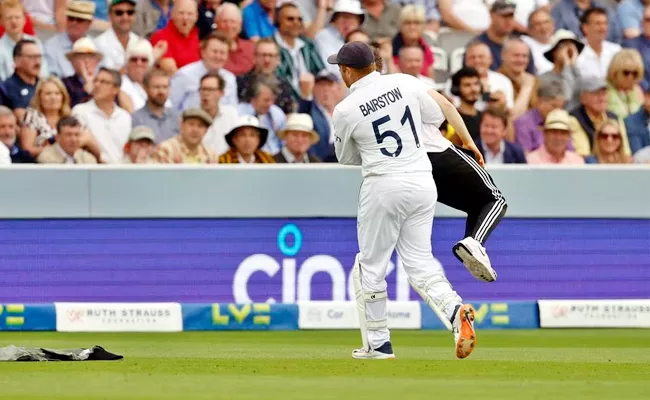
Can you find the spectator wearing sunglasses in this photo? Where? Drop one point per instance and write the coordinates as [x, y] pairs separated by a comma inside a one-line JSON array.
[[608, 147], [113, 43], [79, 17], [624, 95]]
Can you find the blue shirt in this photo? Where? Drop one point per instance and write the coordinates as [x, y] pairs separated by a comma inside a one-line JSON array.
[[184, 90], [637, 126], [274, 121], [55, 50], [17, 93], [164, 19], [642, 45], [495, 49], [567, 15], [630, 14], [101, 10], [256, 21]]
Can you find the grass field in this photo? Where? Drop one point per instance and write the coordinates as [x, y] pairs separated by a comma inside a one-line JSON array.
[[305, 365]]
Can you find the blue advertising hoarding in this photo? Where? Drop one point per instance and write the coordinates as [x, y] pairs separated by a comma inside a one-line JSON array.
[[289, 260]]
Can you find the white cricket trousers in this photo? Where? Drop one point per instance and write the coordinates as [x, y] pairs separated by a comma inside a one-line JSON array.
[[396, 213]]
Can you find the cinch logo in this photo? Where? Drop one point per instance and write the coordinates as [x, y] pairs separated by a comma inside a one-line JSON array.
[[12, 314], [297, 279], [498, 313], [223, 314]]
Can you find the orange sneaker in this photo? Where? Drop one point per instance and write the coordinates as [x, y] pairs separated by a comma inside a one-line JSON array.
[[464, 333]]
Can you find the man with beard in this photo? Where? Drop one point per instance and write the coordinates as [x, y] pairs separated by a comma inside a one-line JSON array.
[[466, 85], [164, 121]]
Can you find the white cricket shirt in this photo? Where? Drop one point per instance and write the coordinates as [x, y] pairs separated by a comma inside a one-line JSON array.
[[379, 124]]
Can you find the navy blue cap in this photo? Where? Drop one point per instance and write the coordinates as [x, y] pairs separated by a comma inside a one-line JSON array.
[[356, 55]]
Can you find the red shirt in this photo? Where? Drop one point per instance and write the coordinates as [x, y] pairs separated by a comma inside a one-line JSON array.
[[240, 61], [28, 29], [184, 50]]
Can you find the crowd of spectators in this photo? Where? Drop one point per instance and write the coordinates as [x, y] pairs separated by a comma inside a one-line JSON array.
[[244, 81]]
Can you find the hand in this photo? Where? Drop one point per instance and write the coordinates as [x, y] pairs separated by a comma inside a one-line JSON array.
[[477, 154], [526, 80], [573, 53], [500, 99], [159, 50], [88, 77], [306, 82], [386, 49]]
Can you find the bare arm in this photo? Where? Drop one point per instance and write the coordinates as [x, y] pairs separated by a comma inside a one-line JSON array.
[[168, 65], [319, 21], [454, 119], [449, 18], [523, 99], [28, 141]]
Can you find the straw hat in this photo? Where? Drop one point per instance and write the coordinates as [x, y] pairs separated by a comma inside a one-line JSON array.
[[81, 9], [302, 123], [557, 120], [85, 45]]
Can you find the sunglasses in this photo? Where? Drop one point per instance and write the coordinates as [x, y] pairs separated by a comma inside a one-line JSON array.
[[628, 72], [119, 13], [612, 136], [77, 20]]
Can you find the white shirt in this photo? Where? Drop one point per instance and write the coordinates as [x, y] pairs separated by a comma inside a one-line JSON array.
[[109, 45], [223, 123], [492, 158], [378, 125], [5, 155], [433, 140], [590, 64], [184, 90], [40, 10], [474, 13], [538, 49], [496, 82], [525, 8], [111, 132]]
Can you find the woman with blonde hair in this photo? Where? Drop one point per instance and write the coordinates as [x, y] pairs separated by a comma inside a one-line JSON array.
[[50, 103], [608, 146], [624, 95], [412, 21]]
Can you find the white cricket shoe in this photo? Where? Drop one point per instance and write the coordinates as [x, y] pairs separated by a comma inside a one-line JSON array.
[[384, 352], [471, 253], [463, 328]]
